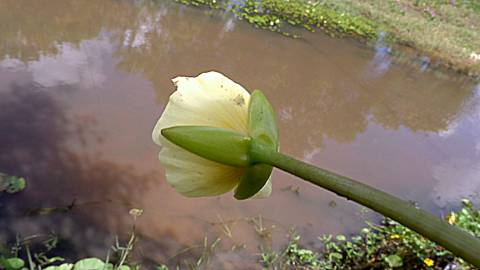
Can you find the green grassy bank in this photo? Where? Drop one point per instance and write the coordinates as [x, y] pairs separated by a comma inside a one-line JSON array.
[[448, 31]]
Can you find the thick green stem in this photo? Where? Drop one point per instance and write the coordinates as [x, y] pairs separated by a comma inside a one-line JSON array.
[[452, 238]]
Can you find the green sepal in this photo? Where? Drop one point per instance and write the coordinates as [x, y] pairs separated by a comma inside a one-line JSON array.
[[217, 144], [262, 128], [262, 122], [255, 177]]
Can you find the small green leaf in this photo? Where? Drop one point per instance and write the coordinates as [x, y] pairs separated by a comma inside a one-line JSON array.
[[341, 238], [394, 261], [89, 264], [217, 144], [14, 263], [65, 266], [335, 255]]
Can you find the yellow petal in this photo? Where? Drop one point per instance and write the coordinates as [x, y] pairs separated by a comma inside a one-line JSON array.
[[428, 262], [451, 218], [210, 99]]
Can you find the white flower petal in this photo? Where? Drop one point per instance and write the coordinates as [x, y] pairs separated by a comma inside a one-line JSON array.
[[194, 176], [211, 99]]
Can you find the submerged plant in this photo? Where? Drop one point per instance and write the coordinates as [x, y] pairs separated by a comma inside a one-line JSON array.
[[211, 145]]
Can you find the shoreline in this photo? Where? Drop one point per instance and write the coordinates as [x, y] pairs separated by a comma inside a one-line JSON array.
[[449, 41]]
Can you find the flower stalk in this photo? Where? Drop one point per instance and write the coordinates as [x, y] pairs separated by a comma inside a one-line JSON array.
[[459, 242], [216, 138]]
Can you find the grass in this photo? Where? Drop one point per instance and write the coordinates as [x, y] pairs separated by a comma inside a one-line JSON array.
[[388, 245], [385, 246], [444, 30], [20, 256]]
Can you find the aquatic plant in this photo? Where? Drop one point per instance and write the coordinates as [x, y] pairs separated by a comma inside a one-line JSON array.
[[21, 256], [379, 246], [16, 263], [385, 246], [11, 184], [274, 15], [205, 135], [213, 100]]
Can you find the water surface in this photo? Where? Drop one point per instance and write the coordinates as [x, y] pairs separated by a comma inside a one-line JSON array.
[[83, 82]]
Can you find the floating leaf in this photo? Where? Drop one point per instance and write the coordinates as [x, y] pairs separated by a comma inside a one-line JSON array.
[[11, 184], [13, 263], [89, 264], [65, 266]]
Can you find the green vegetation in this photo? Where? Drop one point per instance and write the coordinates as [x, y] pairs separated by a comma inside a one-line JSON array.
[[21, 257], [83, 264], [385, 246], [274, 15], [11, 184], [15, 263], [445, 30]]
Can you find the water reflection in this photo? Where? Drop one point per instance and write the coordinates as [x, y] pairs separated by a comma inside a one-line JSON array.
[[78, 102], [34, 145], [382, 60], [72, 65], [459, 175], [458, 178]]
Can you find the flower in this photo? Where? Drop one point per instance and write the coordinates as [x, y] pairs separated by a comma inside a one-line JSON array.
[[210, 99], [395, 236], [451, 218], [428, 262]]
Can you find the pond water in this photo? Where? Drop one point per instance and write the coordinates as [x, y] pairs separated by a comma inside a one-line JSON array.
[[83, 82]]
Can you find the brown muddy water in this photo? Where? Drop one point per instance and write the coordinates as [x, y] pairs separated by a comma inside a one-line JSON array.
[[83, 82]]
